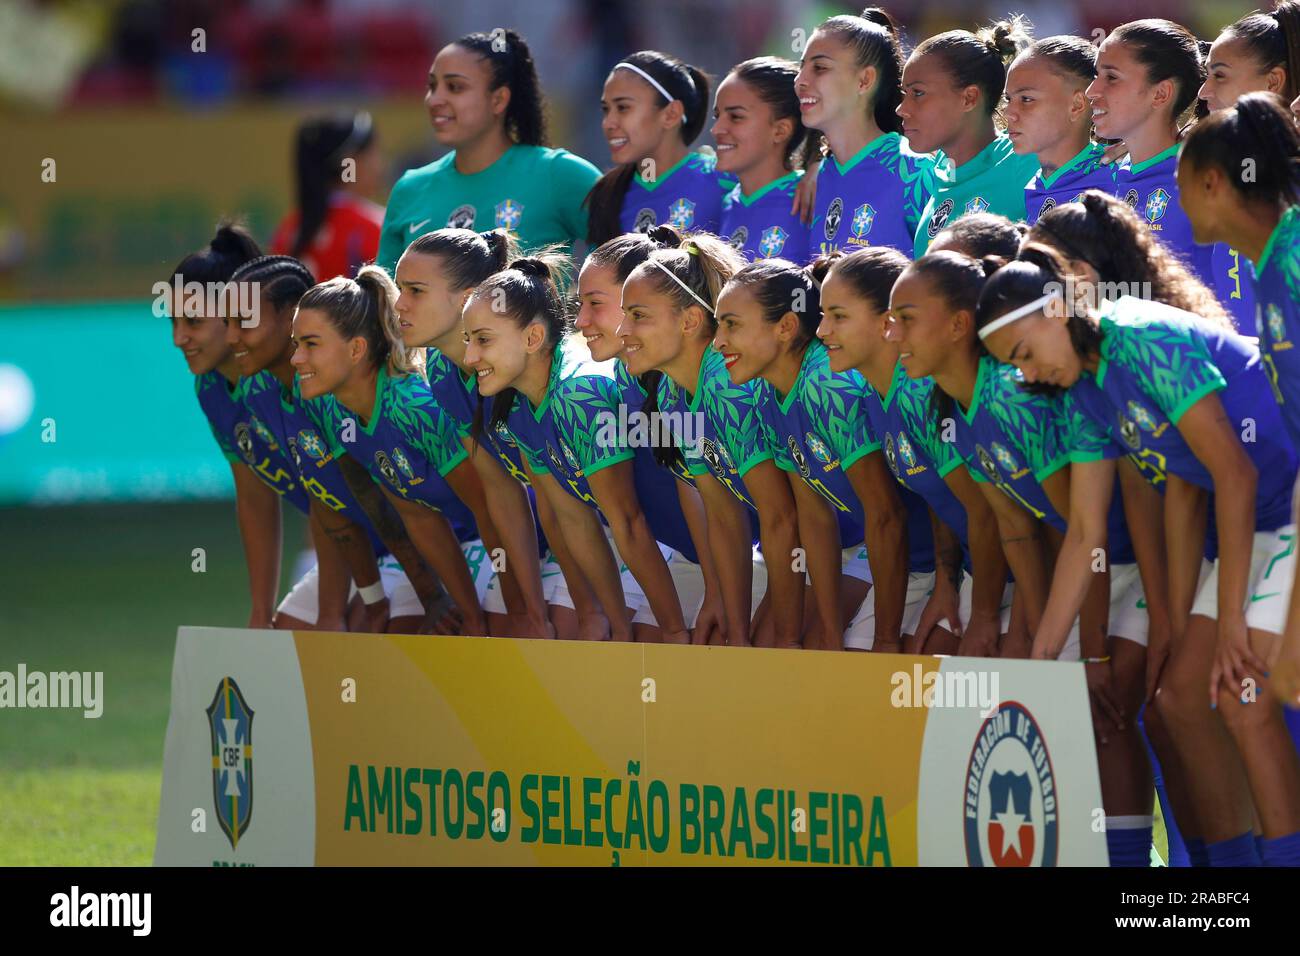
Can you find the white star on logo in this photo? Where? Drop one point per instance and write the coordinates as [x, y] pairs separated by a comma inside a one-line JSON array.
[[1010, 822]]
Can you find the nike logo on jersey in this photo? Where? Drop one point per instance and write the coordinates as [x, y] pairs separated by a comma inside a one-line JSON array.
[[417, 226], [1260, 597]]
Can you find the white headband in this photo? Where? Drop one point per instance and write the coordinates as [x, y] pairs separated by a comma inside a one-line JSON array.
[[1019, 313], [687, 289], [652, 81]]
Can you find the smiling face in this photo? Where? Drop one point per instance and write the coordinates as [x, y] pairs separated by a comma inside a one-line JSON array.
[[832, 88], [1122, 97], [922, 324], [497, 347], [933, 110], [600, 311], [851, 328], [200, 337], [263, 341], [1043, 107], [634, 119], [322, 358], [1040, 347], [652, 331], [1231, 70], [744, 128], [461, 103], [748, 342], [427, 307]]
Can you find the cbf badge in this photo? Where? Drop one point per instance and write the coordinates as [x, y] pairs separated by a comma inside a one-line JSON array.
[[1010, 793], [230, 721]]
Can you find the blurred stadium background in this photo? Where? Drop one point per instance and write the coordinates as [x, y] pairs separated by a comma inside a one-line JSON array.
[[152, 143]]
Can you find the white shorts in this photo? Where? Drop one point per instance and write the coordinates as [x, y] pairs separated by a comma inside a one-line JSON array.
[[303, 600], [1268, 590], [1128, 609], [552, 579], [688, 578], [861, 632], [854, 563]]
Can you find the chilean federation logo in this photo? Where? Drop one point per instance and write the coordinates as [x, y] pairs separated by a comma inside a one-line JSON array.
[[311, 444], [978, 204], [462, 217], [1010, 793], [939, 219], [1157, 203], [681, 213], [864, 217], [508, 214], [834, 213], [772, 242], [230, 721]]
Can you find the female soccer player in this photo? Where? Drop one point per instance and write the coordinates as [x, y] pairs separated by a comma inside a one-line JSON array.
[[577, 451], [855, 305], [261, 469], [654, 107], [758, 131], [874, 187], [1259, 52], [1148, 74], [669, 300], [485, 103], [1049, 116], [952, 83], [768, 317], [335, 228], [1181, 393], [349, 346]]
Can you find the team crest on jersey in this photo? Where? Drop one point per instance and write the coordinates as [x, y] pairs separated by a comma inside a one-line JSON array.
[[387, 470], [503, 433], [819, 449], [725, 456], [1010, 793], [1128, 431], [1139, 414], [508, 214], [244, 442], [1048, 203], [230, 724], [739, 238], [1157, 203], [891, 455], [311, 444], [987, 464], [834, 213], [978, 204], [1276, 324], [939, 219], [1131, 197], [264, 433], [681, 213], [645, 221], [403, 465], [1004, 458], [462, 217], [709, 452], [906, 451], [569, 456], [799, 460], [772, 242], [554, 456], [293, 453], [864, 217]]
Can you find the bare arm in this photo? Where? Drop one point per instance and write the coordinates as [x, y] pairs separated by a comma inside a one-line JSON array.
[[778, 529], [727, 542], [988, 565], [257, 511], [819, 535], [886, 539]]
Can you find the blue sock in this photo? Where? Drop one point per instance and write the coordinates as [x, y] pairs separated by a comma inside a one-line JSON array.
[[1196, 852], [1130, 846], [1178, 852], [1239, 851], [1281, 851]]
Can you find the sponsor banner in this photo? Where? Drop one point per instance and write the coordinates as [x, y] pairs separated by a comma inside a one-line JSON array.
[[468, 751]]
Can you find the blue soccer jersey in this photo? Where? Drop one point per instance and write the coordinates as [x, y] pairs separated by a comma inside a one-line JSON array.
[[820, 430], [914, 451], [1278, 316], [1156, 363], [993, 180], [577, 431], [1234, 284], [874, 199], [245, 438], [762, 226], [688, 197], [457, 395], [409, 445], [1067, 183]]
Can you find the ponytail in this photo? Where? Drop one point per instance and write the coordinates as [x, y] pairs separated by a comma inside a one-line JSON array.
[[870, 272], [1166, 51], [467, 257], [231, 247], [513, 68], [980, 59], [1273, 40], [873, 37], [282, 279], [1258, 132], [366, 308], [958, 280]]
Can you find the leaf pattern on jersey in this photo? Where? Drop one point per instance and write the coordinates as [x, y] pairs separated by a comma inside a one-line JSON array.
[[912, 397], [409, 406], [1165, 353], [915, 172], [579, 405], [1286, 251], [1027, 420], [730, 409], [1081, 435], [219, 409], [444, 377], [834, 400]]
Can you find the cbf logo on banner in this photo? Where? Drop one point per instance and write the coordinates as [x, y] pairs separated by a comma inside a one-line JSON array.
[[231, 721], [1010, 809]]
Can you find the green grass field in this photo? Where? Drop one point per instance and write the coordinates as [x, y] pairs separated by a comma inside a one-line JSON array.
[[103, 588]]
